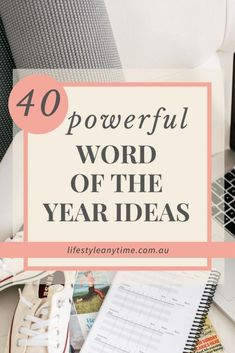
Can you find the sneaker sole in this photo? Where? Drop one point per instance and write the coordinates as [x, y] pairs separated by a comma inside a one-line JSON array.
[[22, 278]]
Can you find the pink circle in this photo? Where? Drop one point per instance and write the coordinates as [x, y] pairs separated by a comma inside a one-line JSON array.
[[38, 104]]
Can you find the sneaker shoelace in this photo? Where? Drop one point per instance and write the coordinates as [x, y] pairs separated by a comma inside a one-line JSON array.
[[43, 331]]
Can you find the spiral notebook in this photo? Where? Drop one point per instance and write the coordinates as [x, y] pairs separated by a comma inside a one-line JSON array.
[[150, 312]]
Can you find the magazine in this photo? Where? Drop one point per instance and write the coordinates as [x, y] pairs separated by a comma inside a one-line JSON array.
[[90, 289], [209, 341]]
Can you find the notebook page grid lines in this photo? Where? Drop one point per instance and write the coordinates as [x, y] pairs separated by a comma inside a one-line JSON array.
[[142, 312]]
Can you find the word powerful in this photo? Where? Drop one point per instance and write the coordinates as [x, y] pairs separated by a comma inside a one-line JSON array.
[[146, 122]]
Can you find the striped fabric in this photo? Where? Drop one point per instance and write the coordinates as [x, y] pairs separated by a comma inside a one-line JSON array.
[[6, 67]]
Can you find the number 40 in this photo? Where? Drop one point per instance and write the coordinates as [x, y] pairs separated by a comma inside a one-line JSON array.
[[27, 103]]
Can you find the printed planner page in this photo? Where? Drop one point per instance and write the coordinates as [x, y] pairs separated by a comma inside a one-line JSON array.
[[147, 312]]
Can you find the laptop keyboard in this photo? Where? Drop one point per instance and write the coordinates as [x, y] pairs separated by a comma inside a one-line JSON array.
[[223, 201]]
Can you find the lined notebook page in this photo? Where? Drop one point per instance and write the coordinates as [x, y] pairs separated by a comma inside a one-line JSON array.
[[147, 312]]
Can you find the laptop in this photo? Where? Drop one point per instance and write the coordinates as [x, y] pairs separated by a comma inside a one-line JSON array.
[[223, 211]]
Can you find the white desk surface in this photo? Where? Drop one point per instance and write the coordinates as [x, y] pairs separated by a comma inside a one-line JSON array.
[[8, 299]]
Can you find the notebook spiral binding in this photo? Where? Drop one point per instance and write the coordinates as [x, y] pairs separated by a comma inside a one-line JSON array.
[[202, 312]]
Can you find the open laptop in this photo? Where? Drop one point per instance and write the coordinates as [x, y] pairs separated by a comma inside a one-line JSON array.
[[223, 211]]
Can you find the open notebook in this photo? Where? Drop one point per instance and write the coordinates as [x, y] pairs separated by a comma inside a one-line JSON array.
[[150, 312]]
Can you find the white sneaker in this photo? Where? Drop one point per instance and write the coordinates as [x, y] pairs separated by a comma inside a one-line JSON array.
[[41, 320], [12, 273], [12, 270]]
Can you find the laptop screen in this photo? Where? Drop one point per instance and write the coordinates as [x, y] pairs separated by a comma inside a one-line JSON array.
[[232, 132]]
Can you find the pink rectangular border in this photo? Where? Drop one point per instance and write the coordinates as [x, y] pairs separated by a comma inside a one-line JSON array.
[[206, 85]]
